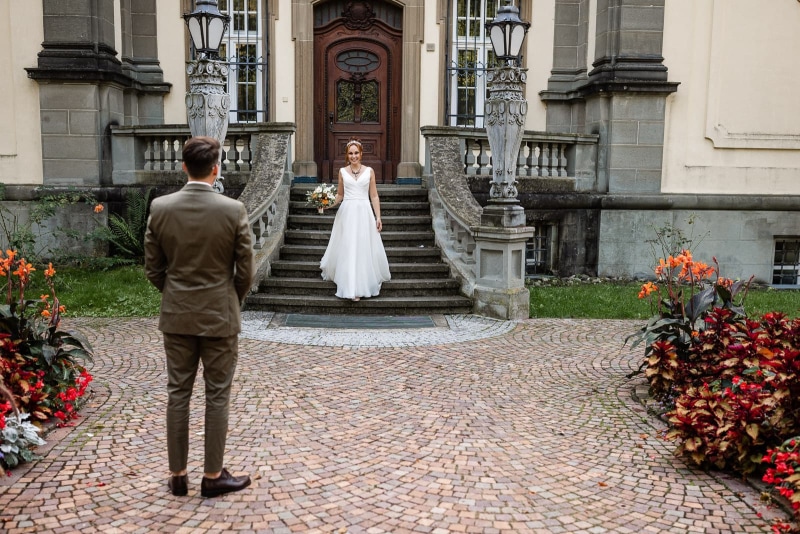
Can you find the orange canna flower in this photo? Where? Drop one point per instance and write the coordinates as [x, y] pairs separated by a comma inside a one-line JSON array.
[[46, 313], [49, 272], [24, 270], [647, 289], [62, 309], [725, 282], [99, 208], [44, 298]]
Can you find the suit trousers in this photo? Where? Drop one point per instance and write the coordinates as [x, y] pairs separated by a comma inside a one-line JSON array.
[[184, 354]]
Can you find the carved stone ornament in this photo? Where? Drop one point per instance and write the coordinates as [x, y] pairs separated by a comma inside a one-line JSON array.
[[505, 125], [358, 15], [207, 101]]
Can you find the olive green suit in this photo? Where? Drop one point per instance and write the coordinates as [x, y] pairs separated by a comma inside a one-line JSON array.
[[198, 253]]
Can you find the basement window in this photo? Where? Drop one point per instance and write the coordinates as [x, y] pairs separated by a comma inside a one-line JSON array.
[[538, 252], [786, 265]]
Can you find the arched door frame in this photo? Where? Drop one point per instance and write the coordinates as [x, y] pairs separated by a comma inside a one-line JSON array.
[[303, 35]]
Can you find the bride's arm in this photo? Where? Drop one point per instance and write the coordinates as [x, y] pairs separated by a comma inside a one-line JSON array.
[[376, 202]]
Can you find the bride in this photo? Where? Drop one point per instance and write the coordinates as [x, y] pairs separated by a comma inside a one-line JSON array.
[[355, 258]]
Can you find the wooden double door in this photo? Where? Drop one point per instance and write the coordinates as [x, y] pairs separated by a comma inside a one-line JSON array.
[[357, 81]]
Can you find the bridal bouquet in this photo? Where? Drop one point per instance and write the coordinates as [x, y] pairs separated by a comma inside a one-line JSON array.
[[322, 196]]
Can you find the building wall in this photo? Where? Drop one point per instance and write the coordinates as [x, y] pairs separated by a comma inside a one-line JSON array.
[[21, 35], [732, 127], [742, 241], [172, 42]]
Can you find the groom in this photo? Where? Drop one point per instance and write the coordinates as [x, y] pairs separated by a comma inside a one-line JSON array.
[[198, 253]]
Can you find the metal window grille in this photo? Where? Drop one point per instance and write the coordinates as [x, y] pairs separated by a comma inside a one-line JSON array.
[[786, 264], [538, 252], [468, 54], [245, 49]]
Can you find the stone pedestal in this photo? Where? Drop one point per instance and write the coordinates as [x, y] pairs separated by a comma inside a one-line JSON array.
[[500, 290]]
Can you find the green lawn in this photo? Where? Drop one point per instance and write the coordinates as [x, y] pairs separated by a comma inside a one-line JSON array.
[[125, 292], [117, 292], [620, 301]]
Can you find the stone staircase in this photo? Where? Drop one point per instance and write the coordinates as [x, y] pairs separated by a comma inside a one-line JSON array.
[[421, 283]]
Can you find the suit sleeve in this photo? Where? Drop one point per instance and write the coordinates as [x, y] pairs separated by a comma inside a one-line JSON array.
[[155, 261], [243, 251]]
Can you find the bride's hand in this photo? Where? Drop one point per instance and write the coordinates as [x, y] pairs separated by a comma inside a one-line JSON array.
[[379, 224]]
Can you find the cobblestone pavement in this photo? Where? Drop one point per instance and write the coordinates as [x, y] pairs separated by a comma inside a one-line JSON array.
[[517, 427]]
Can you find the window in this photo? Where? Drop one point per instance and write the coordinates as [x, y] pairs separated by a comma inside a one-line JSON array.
[[786, 265], [538, 252], [244, 48], [469, 55]]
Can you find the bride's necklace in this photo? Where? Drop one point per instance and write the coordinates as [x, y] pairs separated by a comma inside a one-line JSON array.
[[356, 173]]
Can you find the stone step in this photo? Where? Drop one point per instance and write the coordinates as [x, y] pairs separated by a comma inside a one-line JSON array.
[[321, 237], [395, 254], [310, 269], [380, 305], [387, 193], [403, 287], [388, 209], [416, 223]]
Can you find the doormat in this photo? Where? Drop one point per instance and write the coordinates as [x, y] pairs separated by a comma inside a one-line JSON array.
[[360, 322]]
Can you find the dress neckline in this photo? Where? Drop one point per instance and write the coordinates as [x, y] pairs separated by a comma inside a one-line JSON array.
[[353, 174]]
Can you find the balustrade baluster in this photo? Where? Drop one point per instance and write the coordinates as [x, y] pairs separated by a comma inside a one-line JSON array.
[[246, 154], [148, 153], [562, 160], [158, 154], [533, 159], [522, 168], [545, 160], [469, 159], [169, 154], [484, 159]]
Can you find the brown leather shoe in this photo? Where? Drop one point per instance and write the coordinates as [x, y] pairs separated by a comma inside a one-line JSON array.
[[225, 483], [179, 485]]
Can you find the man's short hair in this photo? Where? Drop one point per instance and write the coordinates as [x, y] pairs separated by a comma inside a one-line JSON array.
[[200, 154]]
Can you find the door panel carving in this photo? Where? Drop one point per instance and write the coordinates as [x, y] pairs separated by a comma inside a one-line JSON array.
[[357, 91]]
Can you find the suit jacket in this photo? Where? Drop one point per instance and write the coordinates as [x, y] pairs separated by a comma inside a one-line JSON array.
[[199, 254]]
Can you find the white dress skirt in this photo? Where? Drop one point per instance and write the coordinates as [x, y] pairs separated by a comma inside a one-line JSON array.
[[355, 258]]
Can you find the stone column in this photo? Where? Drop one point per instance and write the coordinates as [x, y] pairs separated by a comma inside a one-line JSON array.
[[82, 91], [626, 95], [140, 62], [500, 290], [565, 113], [303, 34]]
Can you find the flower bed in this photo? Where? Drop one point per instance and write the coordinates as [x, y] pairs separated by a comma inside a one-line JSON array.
[[40, 365], [730, 384]]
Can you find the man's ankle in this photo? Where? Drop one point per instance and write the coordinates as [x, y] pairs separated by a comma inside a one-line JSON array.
[[212, 476]]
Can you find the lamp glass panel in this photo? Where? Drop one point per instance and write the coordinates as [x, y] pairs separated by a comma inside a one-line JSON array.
[[216, 29], [196, 33], [497, 37], [517, 36]]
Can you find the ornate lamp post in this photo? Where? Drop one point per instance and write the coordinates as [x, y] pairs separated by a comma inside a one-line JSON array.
[[207, 102], [506, 108], [500, 239]]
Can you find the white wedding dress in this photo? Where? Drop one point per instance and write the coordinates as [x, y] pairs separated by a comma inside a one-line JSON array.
[[355, 258]]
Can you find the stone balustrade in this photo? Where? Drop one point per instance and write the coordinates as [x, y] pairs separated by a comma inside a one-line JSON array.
[[257, 156], [454, 155]]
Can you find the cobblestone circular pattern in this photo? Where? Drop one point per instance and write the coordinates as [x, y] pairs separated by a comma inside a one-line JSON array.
[[460, 328], [531, 430]]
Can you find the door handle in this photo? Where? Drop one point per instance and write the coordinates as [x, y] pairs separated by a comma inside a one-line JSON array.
[[330, 121]]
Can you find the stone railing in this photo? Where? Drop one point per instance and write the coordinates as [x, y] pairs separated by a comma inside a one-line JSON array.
[[455, 154], [256, 157], [152, 154], [266, 195], [541, 155]]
